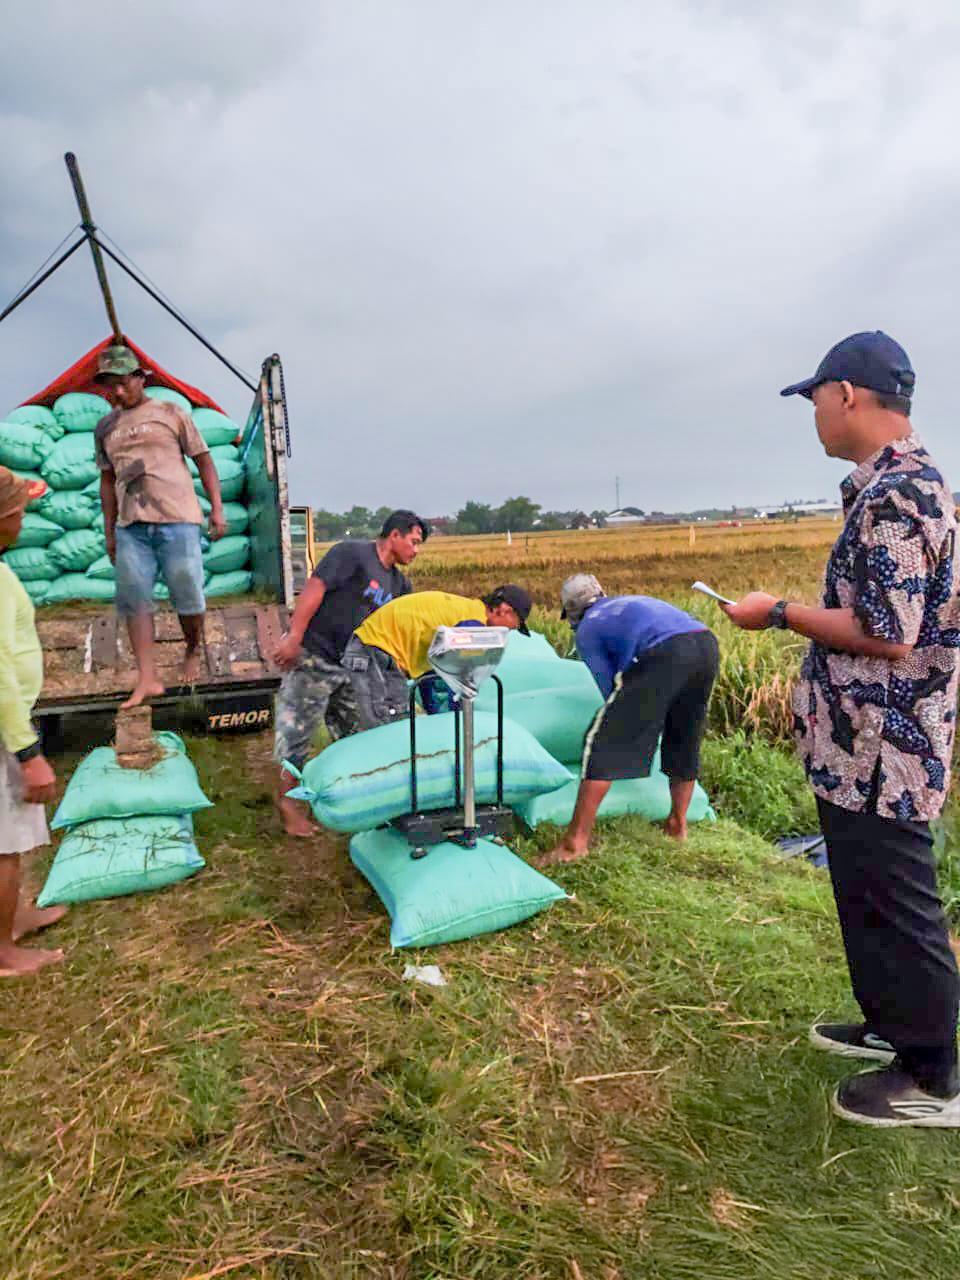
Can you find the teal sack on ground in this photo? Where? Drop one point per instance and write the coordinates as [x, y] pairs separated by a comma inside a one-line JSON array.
[[37, 589], [647, 797], [102, 788], [72, 463], [80, 411], [103, 569], [216, 428], [237, 583], [452, 893], [362, 781], [111, 857], [558, 717], [79, 586], [168, 394]]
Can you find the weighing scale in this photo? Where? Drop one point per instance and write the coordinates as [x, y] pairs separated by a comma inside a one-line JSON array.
[[463, 658]]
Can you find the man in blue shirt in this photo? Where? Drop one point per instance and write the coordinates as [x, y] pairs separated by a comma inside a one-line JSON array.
[[655, 666]]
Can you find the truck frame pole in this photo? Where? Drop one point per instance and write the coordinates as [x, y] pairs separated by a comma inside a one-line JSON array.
[[89, 231]]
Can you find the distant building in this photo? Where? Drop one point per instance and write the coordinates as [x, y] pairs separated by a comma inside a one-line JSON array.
[[626, 515], [802, 507]]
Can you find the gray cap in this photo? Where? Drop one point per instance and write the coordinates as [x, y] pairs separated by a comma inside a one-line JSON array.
[[577, 595]]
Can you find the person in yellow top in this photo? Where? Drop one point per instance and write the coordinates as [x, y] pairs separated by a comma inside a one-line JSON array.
[[26, 779], [391, 646]]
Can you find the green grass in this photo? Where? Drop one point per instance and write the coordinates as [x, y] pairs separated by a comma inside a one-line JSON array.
[[761, 787], [230, 1078]]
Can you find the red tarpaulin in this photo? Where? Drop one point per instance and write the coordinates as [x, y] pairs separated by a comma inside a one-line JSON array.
[[79, 377]]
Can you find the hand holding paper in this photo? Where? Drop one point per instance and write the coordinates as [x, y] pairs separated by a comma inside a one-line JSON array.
[[709, 591]]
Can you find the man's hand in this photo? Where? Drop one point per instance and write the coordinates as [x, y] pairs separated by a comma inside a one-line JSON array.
[[38, 779], [111, 540], [752, 613], [287, 652], [217, 523]]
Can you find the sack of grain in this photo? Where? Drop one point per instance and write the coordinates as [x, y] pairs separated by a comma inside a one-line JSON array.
[[80, 411]]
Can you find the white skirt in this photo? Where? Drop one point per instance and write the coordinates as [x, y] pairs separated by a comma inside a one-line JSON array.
[[22, 826]]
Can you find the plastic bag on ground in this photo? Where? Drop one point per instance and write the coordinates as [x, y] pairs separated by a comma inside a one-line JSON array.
[[111, 857], [102, 788], [71, 463], [80, 411], [362, 781], [453, 892], [22, 447]]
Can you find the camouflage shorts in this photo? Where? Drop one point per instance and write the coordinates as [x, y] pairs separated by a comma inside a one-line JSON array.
[[315, 691]]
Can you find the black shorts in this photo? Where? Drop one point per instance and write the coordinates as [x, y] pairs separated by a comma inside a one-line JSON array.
[[664, 693]]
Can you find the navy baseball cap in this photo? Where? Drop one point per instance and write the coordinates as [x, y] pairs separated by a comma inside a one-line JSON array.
[[872, 360]]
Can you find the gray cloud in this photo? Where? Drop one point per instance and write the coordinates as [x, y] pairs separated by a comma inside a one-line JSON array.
[[517, 247]]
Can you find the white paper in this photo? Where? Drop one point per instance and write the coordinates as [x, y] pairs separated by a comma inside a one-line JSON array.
[[709, 591], [428, 973]]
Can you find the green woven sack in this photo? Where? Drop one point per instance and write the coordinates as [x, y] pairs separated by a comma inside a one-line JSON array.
[[102, 788], [111, 857], [237, 517], [216, 428], [78, 586], [362, 781], [37, 590], [225, 453], [37, 415], [70, 509], [168, 394], [37, 531], [231, 475], [71, 463], [648, 797], [227, 554], [22, 447], [80, 411], [30, 563], [237, 583], [558, 718], [76, 551], [453, 892], [102, 568]]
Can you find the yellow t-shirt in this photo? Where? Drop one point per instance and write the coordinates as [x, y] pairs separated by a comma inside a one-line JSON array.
[[21, 663], [405, 626]]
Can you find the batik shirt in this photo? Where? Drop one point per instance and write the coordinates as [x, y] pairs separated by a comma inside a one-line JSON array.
[[876, 735]]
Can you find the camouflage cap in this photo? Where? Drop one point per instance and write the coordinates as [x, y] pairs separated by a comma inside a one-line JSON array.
[[116, 362]]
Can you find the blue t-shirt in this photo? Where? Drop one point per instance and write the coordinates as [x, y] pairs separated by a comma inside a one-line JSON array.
[[618, 629]]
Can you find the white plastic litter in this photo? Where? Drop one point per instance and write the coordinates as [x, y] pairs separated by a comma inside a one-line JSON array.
[[426, 973]]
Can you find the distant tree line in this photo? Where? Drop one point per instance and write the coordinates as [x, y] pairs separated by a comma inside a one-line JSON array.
[[515, 515]]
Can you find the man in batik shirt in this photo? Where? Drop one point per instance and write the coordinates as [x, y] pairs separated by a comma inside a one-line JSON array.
[[875, 713]]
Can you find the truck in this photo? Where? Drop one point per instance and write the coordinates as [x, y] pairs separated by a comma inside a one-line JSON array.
[[88, 663]]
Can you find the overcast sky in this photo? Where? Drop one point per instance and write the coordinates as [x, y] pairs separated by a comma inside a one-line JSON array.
[[510, 247]]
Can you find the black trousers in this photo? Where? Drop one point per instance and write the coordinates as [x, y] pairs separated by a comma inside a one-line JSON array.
[[902, 968]]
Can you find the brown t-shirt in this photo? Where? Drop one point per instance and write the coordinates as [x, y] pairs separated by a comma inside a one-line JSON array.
[[146, 448]]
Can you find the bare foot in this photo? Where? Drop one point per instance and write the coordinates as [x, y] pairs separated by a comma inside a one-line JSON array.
[[676, 827], [295, 821], [566, 851], [17, 961], [143, 691], [31, 919], [191, 667]]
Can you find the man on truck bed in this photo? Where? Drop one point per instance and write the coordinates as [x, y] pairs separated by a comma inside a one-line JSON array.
[[353, 578], [391, 646], [151, 514]]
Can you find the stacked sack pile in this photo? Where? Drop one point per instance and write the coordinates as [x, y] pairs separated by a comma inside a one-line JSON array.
[[61, 553], [127, 830], [556, 699]]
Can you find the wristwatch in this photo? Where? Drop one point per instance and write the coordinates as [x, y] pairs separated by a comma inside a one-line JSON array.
[[28, 753], [777, 617]]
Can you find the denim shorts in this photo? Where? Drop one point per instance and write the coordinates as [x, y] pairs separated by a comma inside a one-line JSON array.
[[146, 551]]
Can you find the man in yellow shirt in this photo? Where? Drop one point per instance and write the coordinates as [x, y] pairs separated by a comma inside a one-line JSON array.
[[391, 646], [26, 778]]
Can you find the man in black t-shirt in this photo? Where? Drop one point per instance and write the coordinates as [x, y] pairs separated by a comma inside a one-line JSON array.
[[352, 580]]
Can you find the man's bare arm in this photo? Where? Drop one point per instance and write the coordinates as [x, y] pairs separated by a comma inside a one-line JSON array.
[[834, 628], [211, 484], [108, 501], [311, 597]]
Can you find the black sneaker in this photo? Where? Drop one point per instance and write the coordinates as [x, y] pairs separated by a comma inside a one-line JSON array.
[[851, 1040], [891, 1098]]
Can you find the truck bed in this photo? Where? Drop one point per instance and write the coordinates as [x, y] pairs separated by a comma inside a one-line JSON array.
[[88, 663]]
